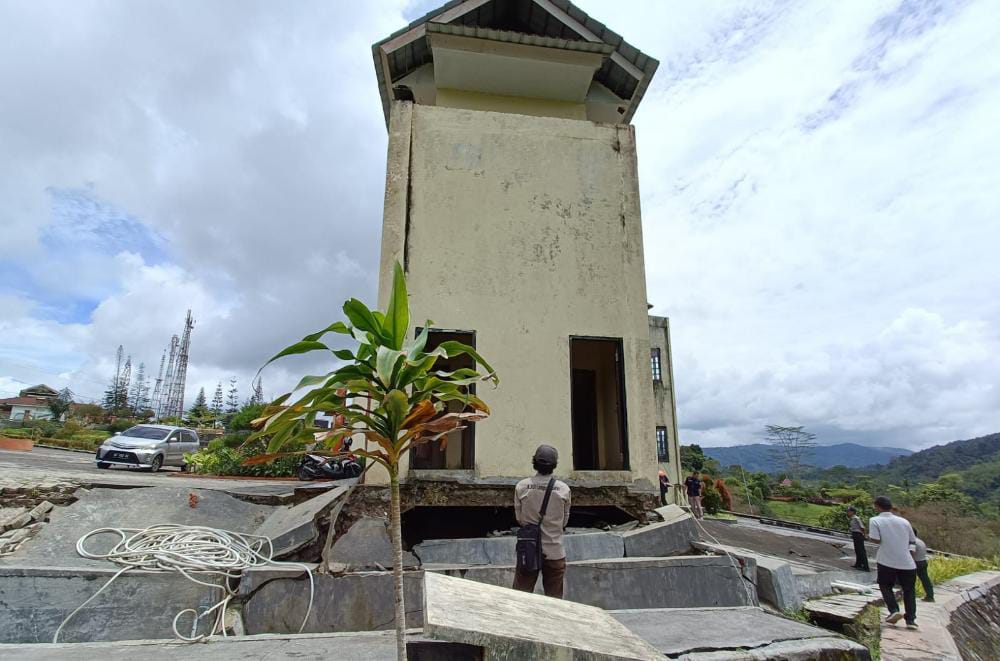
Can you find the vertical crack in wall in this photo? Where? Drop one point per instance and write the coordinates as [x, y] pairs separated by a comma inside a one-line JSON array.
[[409, 200]]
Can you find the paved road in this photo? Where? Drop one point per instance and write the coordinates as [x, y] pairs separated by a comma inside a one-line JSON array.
[[51, 466], [67, 461]]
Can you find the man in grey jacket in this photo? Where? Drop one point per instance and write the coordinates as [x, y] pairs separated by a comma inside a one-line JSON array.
[[528, 496]]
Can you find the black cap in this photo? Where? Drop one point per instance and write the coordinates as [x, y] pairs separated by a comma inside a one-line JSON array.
[[546, 454], [852, 508]]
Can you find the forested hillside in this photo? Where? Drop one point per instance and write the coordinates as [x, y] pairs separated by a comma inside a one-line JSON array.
[[761, 456]]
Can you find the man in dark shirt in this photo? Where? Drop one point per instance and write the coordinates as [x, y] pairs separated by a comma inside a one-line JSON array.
[[664, 487], [694, 487], [857, 529]]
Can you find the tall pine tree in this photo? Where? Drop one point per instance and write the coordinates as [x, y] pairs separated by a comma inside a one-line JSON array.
[[199, 410], [217, 402], [233, 398]]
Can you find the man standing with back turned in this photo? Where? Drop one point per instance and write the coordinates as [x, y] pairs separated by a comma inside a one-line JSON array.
[[529, 495], [894, 561]]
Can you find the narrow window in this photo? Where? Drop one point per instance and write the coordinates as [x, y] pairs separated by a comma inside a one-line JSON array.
[[654, 361], [459, 451], [597, 404], [661, 444]]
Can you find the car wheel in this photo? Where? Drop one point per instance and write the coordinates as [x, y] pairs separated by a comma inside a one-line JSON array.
[[184, 468], [156, 464], [102, 464]]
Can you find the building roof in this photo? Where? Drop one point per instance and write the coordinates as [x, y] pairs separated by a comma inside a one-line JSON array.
[[41, 390], [551, 23], [25, 401]]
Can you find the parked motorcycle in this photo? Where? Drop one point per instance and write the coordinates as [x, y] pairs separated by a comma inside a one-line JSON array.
[[316, 467]]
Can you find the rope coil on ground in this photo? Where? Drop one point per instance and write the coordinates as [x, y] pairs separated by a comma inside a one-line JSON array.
[[193, 551]]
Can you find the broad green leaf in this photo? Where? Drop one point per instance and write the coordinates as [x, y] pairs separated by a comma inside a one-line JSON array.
[[397, 316], [417, 348], [311, 381], [336, 327], [344, 354], [305, 346], [453, 348], [362, 317], [385, 364], [396, 406]]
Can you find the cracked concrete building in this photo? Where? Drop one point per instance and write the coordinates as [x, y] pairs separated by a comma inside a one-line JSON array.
[[512, 202]]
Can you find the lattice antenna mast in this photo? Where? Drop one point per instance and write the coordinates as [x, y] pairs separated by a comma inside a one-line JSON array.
[[182, 362], [163, 410], [155, 403]]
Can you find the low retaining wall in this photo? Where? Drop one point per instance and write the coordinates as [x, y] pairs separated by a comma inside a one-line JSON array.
[[137, 605], [975, 616], [276, 599]]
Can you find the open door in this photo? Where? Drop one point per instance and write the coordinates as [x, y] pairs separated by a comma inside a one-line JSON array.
[[459, 451], [597, 404]]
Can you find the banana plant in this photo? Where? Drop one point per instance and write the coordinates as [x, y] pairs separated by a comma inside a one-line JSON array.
[[387, 391]]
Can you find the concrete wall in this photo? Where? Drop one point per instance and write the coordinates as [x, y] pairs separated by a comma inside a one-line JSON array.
[[527, 231], [666, 402]]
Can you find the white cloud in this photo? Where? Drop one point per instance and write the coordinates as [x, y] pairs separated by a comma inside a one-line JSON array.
[[818, 195]]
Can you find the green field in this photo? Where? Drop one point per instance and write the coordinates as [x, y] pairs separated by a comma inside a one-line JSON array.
[[808, 513]]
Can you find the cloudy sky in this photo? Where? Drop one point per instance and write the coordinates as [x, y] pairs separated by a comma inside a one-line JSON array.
[[820, 188]]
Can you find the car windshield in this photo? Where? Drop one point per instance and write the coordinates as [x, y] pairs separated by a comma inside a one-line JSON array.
[[151, 433]]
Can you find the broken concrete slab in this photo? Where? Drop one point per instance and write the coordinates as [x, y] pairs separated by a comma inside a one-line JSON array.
[[676, 582], [516, 625], [293, 527], [37, 599], [373, 646], [500, 550], [8, 515], [775, 581], [39, 512], [680, 632], [670, 537], [55, 543], [826, 649], [671, 512], [366, 545], [276, 601]]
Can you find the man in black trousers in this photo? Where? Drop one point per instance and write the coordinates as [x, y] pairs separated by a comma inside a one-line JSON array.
[[858, 535]]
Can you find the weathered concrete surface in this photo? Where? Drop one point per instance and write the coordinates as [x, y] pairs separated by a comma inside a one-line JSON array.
[[55, 544], [500, 550], [373, 646], [678, 582], [352, 602], [678, 632], [975, 615], [776, 584], [814, 649], [825, 553], [671, 537], [517, 625], [364, 601], [366, 545], [292, 527], [137, 605]]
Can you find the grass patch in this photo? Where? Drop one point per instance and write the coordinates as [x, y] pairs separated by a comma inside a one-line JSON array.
[[72, 443], [808, 513], [867, 630], [943, 568]]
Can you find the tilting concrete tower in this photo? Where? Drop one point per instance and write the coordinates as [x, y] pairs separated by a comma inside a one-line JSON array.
[[512, 202]]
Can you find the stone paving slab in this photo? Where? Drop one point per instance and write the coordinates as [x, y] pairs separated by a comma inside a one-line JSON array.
[[375, 646], [519, 625], [55, 543], [291, 527], [677, 631], [34, 601], [500, 550]]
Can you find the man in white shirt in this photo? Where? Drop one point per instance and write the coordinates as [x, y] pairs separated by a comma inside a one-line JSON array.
[[894, 560]]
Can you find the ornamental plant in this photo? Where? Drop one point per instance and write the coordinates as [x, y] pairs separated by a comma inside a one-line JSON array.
[[386, 391]]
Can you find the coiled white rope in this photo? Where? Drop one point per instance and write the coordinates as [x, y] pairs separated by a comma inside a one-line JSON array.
[[192, 551]]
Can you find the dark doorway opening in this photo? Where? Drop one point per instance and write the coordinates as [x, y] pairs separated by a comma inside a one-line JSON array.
[[459, 452], [597, 404]]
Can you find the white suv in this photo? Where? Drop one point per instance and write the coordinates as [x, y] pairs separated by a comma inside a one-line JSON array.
[[148, 446]]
